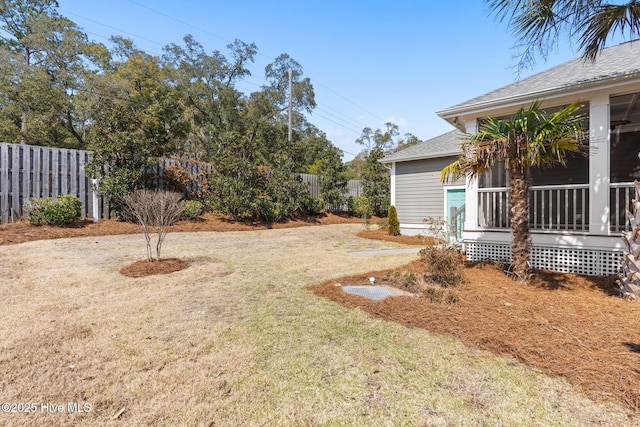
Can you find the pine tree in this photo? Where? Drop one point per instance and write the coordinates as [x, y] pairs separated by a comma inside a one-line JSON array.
[[393, 226]]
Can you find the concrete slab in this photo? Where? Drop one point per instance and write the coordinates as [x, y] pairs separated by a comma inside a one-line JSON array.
[[375, 292]]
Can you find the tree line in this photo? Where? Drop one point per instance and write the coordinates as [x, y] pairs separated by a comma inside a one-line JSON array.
[[58, 88]]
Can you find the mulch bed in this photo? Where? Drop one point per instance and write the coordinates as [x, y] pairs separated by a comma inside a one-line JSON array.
[[384, 235], [143, 268], [22, 231], [562, 324]]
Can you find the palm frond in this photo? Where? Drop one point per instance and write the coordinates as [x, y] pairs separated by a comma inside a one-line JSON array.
[[529, 138], [538, 25], [557, 135], [451, 172], [605, 21]]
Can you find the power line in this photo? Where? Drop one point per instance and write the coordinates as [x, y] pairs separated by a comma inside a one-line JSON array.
[[346, 152], [348, 120], [348, 123], [112, 27], [349, 101], [266, 56], [180, 21], [339, 124]]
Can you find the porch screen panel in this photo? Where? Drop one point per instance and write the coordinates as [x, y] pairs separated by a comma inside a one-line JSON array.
[[624, 164]]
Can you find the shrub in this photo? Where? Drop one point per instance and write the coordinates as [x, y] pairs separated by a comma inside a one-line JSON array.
[[444, 264], [53, 211], [155, 211], [394, 224], [191, 209], [383, 224], [437, 228], [362, 208], [351, 205], [230, 196], [270, 211], [119, 183], [312, 205], [176, 178], [423, 285]]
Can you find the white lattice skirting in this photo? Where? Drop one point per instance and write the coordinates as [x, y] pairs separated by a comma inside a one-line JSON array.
[[580, 261]]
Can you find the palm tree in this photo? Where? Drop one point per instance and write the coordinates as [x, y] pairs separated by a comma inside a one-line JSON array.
[[539, 24], [531, 138]]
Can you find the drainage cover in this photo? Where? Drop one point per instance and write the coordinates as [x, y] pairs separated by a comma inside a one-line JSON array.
[[375, 293]]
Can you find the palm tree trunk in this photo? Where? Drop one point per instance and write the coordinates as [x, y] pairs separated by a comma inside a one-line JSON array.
[[520, 236]]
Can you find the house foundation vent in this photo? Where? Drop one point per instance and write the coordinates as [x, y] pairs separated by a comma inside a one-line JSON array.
[[580, 261]]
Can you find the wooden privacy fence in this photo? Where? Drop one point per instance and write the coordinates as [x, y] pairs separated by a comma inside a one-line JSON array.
[[33, 171], [353, 186], [197, 173]]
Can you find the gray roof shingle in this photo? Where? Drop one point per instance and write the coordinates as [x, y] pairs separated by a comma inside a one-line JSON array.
[[616, 62], [447, 144]]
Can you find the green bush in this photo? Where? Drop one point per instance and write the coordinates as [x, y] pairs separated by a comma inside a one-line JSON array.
[[362, 208], [351, 205], [444, 264], [271, 211], [229, 196], [119, 183], [312, 206], [394, 224], [61, 210], [191, 209]]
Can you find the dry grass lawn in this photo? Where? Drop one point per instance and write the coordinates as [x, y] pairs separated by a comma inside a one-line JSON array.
[[239, 339]]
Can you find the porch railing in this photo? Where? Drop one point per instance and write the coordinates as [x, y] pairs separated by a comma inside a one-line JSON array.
[[620, 196], [551, 207], [456, 219]]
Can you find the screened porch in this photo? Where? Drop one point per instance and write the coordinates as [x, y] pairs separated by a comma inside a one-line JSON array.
[[559, 198]]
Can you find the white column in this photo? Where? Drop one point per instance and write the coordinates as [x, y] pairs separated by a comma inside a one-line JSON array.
[[599, 124], [95, 199], [471, 191], [393, 184]]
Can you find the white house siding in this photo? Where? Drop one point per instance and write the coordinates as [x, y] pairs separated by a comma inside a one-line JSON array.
[[419, 194]]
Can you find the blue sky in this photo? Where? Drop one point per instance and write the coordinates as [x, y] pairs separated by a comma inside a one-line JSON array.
[[369, 61]]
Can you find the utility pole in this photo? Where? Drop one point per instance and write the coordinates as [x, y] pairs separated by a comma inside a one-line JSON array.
[[290, 103]]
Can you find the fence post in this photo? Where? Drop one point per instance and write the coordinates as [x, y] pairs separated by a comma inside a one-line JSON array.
[[96, 200]]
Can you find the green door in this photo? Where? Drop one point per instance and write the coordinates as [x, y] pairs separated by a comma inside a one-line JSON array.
[[455, 215]]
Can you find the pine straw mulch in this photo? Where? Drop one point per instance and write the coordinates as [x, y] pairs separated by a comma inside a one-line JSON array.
[[22, 231], [562, 324], [379, 234], [144, 268]]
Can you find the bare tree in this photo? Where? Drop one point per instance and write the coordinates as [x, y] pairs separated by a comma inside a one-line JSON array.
[[155, 210]]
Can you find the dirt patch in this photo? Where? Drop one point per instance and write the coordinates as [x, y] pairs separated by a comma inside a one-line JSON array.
[[22, 231], [562, 324], [143, 268]]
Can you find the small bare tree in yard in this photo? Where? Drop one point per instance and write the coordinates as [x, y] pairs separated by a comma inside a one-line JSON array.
[[155, 210], [629, 280]]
